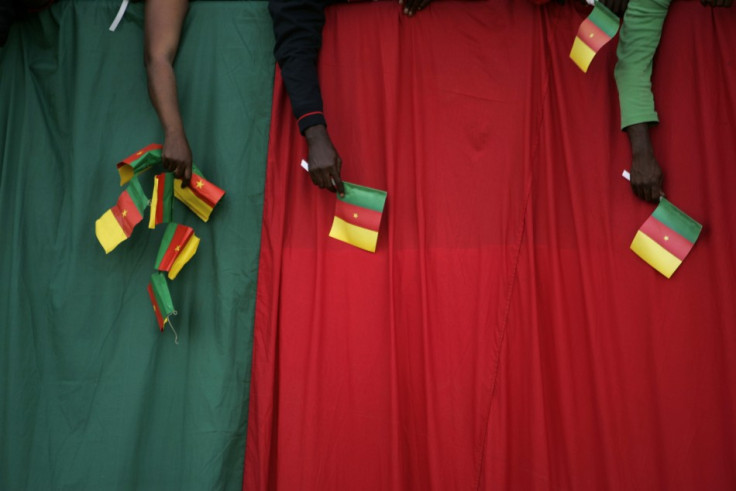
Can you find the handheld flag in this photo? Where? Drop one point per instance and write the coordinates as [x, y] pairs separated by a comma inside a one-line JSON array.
[[139, 162], [358, 216], [200, 196], [666, 238], [161, 199], [117, 223], [595, 31], [178, 246], [163, 307]]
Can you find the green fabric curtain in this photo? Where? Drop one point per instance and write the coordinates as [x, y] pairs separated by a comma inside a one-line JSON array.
[[94, 396]]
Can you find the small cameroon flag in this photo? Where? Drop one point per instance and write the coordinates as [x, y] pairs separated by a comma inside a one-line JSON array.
[[117, 223], [666, 238], [178, 246], [139, 162], [163, 307], [161, 199], [595, 31], [358, 216], [200, 196]]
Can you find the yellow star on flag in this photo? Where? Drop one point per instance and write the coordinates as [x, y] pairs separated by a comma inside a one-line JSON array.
[[355, 215], [125, 213], [666, 237], [590, 35], [200, 184], [140, 152], [177, 248]]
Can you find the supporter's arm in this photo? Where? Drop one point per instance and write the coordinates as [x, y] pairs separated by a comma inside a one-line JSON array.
[[639, 38], [297, 27], [163, 23]]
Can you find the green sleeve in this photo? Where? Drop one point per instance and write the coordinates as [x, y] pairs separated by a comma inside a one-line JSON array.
[[637, 44]]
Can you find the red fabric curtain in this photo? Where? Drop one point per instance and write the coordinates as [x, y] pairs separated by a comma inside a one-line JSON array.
[[503, 335]]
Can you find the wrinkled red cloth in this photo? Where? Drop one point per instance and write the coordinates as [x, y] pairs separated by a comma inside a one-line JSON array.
[[503, 336]]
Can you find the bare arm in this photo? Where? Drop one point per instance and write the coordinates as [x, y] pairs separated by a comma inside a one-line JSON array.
[[164, 19]]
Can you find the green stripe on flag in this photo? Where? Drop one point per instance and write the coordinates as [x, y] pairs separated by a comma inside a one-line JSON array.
[[677, 220], [363, 196], [168, 196], [606, 20], [165, 241], [161, 292], [146, 161], [135, 191]]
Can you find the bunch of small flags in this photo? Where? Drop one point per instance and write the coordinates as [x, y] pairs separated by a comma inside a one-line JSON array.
[[179, 244]]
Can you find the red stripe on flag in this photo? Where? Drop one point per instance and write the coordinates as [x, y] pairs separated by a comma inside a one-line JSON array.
[[181, 236], [357, 215], [140, 153], [160, 188], [205, 190], [673, 242], [126, 213], [592, 35], [156, 308]]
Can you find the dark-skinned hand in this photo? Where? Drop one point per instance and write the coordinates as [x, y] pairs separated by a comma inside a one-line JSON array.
[[411, 7], [177, 157], [646, 174], [324, 162]]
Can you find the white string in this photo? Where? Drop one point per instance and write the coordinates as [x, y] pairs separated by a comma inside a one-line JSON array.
[[176, 336], [119, 16]]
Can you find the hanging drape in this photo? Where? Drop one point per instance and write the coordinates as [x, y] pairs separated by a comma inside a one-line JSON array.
[[503, 336], [94, 397]]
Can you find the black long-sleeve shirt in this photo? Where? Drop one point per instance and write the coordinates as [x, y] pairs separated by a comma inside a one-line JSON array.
[[297, 26]]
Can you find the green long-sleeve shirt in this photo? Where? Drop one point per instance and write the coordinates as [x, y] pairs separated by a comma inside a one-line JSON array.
[[638, 41]]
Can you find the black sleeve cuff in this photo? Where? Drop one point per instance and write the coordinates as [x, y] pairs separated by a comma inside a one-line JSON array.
[[311, 119]]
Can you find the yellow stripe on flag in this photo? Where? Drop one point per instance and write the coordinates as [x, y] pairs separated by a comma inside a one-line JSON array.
[[109, 232], [126, 174], [184, 256], [352, 234], [186, 196], [657, 256], [154, 203], [581, 54]]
